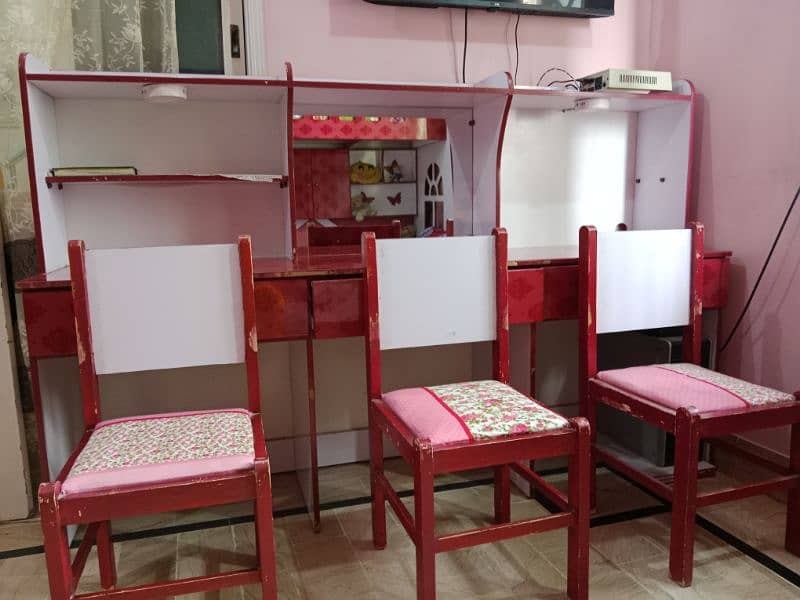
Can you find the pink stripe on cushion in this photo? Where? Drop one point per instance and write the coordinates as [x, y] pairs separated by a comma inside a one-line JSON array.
[[94, 481], [671, 389], [452, 412], [169, 415], [426, 416]]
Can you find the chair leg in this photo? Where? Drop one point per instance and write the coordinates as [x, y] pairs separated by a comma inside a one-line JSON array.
[[578, 536], [590, 413], [105, 555], [378, 494], [424, 522], [793, 505], [502, 494], [684, 496], [265, 535], [56, 544]]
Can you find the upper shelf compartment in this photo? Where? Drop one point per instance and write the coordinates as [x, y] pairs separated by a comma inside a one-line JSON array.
[[394, 98], [128, 86], [548, 98]]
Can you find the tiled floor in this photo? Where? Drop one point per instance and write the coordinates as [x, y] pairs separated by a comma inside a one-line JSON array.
[[628, 559]]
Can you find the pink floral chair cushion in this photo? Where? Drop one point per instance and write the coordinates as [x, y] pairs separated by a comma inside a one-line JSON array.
[[685, 384], [166, 447], [470, 411]]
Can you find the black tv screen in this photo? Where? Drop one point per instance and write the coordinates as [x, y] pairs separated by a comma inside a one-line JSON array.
[[554, 8]]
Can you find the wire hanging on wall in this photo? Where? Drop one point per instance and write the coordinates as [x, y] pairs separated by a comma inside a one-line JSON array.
[[516, 46], [570, 83], [466, 39], [763, 270]]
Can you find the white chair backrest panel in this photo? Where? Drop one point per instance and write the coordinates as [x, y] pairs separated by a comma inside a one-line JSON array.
[[643, 279], [165, 307], [434, 291]]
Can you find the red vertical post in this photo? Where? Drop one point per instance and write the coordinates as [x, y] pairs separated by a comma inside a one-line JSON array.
[[397, 228], [500, 352], [265, 534], [83, 332], [36, 395], [105, 555], [793, 503], [578, 536], [532, 358], [372, 328], [449, 228], [376, 472], [249, 323], [693, 332], [56, 543], [587, 334], [290, 154], [312, 431], [424, 521], [684, 495], [373, 353], [500, 346], [502, 494]]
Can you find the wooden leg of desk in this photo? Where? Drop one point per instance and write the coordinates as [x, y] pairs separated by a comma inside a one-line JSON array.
[[793, 505], [312, 434]]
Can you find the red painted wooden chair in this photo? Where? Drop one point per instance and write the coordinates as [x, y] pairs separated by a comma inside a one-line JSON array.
[[633, 280], [427, 292], [156, 308]]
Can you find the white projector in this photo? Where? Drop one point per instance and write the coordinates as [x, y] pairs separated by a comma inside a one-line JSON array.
[[627, 80]]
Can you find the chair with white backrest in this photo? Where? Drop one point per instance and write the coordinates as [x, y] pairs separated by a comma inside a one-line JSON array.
[[634, 280], [428, 292], [142, 309]]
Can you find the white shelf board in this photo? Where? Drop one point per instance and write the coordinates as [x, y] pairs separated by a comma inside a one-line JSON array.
[[116, 89], [560, 99]]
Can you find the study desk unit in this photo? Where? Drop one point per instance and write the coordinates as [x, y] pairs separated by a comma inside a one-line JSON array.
[[220, 164]]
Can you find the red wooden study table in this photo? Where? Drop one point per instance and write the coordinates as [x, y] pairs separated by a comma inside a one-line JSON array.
[[318, 295]]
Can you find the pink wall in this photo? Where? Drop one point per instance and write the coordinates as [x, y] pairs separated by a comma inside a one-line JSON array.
[[742, 57], [351, 39]]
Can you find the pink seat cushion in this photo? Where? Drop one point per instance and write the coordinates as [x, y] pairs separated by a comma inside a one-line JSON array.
[[471, 411], [683, 384], [162, 448]]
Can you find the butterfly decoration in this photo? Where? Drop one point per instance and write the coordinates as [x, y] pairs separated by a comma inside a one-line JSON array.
[[394, 200]]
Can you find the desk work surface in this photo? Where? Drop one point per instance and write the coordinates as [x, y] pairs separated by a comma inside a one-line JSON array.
[[346, 260]]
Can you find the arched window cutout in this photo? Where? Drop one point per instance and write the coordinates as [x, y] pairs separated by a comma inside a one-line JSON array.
[[434, 186]]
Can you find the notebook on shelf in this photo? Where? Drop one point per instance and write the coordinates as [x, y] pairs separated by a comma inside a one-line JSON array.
[[89, 171]]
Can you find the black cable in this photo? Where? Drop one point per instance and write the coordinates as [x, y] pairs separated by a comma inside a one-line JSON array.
[[560, 70], [464, 58], [763, 270], [516, 45]]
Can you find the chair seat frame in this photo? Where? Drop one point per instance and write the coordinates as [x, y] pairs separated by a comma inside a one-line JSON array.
[[689, 425], [96, 509], [504, 455]]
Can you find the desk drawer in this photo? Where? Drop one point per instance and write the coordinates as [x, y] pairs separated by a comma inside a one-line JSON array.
[[50, 323], [281, 309], [338, 308]]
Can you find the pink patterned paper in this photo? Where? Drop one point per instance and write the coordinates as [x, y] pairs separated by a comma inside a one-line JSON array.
[[165, 447], [471, 411]]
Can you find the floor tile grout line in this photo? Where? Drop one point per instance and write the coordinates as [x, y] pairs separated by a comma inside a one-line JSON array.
[[277, 514], [597, 521], [729, 538]]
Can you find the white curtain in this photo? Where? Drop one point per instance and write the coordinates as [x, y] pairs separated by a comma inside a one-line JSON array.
[[125, 35]]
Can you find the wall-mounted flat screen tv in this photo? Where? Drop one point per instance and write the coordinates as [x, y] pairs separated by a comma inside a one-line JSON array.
[[553, 8]]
